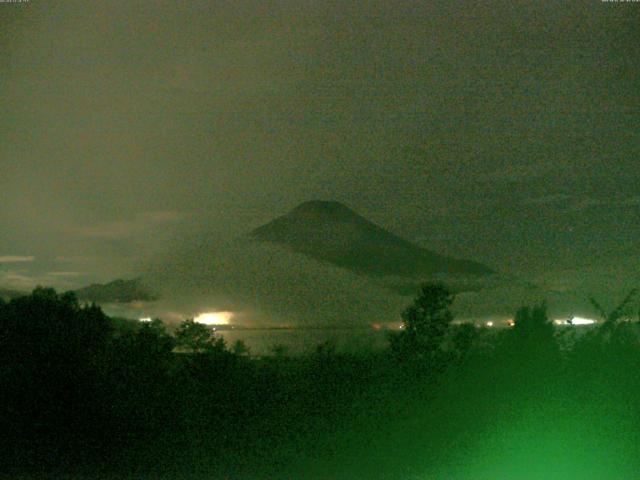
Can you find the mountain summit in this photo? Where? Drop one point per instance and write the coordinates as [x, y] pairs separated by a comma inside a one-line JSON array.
[[329, 208], [331, 232]]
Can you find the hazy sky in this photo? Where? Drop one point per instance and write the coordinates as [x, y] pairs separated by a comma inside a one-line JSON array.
[[504, 132]]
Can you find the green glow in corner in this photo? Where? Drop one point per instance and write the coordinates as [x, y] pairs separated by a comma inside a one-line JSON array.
[[562, 443]]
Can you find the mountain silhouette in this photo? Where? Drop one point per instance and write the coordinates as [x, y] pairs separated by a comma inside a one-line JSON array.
[[331, 232], [117, 291]]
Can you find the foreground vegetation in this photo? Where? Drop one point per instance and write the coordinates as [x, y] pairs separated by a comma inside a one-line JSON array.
[[83, 395]]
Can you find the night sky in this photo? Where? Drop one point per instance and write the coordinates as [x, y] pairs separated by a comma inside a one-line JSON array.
[[502, 132]]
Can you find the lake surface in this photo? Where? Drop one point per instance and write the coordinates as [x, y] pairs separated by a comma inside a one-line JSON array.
[[301, 341]]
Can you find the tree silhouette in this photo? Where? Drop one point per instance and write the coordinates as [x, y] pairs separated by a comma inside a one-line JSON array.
[[240, 348], [51, 350], [463, 339], [532, 341], [532, 324], [197, 338], [426, 323]]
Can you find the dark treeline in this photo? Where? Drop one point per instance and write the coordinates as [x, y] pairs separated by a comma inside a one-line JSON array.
[[84, 395]]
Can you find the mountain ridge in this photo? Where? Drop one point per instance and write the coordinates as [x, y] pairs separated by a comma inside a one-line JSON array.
[[331, 232], [116, 291]]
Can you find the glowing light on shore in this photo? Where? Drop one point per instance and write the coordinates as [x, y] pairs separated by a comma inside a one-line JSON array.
[[489, 323], [214, 318], [581, 321], [145, 319], [576, 321]]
